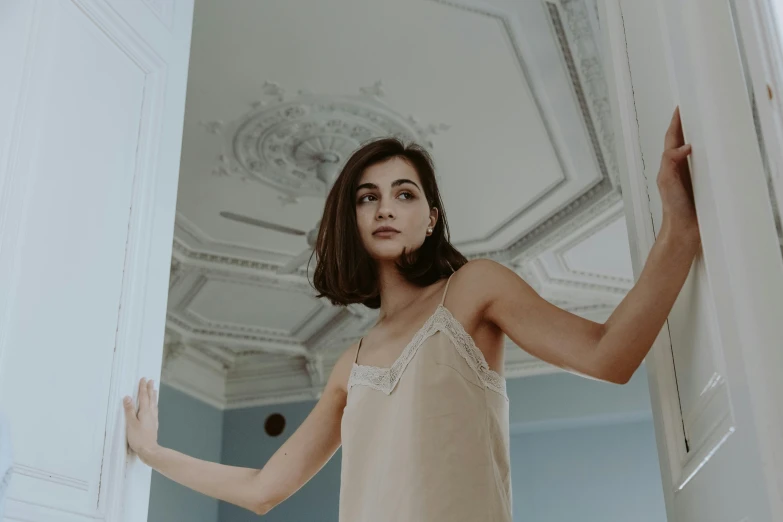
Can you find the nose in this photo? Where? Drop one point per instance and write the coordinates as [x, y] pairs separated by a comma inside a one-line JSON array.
[[385, 212]]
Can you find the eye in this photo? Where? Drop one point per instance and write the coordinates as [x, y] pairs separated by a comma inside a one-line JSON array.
[[363, 199], [409, 195]]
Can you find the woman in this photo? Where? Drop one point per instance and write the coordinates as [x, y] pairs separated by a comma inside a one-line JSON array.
[[419, 404]]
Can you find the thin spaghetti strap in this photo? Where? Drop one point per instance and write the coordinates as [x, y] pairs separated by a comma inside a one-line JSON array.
[[446, 289], [356, 359]]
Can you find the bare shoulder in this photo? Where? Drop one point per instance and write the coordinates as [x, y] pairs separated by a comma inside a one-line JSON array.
[[480, 268], [485, 275], [486, 282]]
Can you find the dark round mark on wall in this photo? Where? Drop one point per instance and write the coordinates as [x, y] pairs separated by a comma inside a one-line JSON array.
[[274, 425]]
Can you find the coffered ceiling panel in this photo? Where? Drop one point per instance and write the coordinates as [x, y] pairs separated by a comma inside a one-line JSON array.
[[242, 304], [602, 254]]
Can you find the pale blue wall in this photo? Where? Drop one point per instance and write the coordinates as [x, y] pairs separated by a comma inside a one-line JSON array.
[[246, 444], [563, 400], [196, 429], [583, 450], [588, 474]]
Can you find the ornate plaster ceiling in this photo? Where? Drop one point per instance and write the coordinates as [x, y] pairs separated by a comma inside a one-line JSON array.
[[509, 97]]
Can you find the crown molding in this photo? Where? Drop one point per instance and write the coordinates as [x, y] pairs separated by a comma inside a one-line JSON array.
[[582, 61], [236, 340], [550, 275], [615, 214], [579, 30], [208, 259], [251, 400], [314, 331], [195, 374], [555, 228], [194, 239]]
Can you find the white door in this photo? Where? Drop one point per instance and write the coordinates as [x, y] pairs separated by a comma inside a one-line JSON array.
[[91, 108], [717, 367]]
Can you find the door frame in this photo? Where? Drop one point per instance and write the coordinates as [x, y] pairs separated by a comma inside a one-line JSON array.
[[669, 436], [746, 291], [761, 33]]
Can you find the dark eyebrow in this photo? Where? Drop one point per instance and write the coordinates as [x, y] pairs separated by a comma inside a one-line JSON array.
[[395, 183]]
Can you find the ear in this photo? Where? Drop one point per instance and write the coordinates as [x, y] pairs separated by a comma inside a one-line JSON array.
[[433, 216]]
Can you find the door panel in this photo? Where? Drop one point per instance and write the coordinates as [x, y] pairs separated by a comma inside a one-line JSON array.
[[85, 177], [698, 385]]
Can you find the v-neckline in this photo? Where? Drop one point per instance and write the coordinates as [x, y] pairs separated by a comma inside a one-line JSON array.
[[407, 347]]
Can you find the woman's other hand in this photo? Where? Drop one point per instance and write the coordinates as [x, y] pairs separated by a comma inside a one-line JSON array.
[[142, 424]]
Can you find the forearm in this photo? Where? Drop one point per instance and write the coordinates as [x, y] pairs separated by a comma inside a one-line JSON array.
[[631, 330], [291, 466], [229, 483]]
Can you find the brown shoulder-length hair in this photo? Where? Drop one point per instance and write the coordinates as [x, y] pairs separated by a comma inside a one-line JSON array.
[[345, 273]]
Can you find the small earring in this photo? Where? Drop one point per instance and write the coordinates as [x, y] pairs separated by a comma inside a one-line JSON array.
[[429, 230]]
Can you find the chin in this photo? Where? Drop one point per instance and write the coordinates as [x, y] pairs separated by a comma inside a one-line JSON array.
[[389, 251], [386, 254], [385, 251]]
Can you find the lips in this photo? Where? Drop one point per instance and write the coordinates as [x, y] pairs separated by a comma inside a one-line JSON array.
[[385, 231]]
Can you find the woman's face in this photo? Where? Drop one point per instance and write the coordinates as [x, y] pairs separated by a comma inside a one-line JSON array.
[[390, 194]]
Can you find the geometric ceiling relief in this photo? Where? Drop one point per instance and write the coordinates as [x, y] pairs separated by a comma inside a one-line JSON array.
[[602, 257], [297, 144], [586, 180], [526, 170], [590, 265]]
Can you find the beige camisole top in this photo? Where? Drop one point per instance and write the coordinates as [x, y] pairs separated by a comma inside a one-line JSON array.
[[427, 440]]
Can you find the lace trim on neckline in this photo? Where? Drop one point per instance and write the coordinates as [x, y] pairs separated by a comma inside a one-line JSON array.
[[385, 379]]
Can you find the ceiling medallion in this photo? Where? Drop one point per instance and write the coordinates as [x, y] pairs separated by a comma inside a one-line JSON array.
[[298, 144]]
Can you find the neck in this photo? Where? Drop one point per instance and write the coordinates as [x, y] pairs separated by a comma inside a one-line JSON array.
[[396, 292]]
